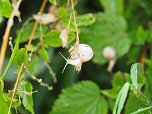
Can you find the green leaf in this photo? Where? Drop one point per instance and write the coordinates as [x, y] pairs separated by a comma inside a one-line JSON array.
[[1, 87], [118, 80], [27, 99], [26, 32], [44, 54], [121, 98], [106, 31], [85, 20], [137, 76], [12, 57], [113, 6], [111, 93], [7, 98], [34, 65], [82, 98], [135, 103], [53, 40], [53, 2], [3, 106], [20, 57], [5, 8]]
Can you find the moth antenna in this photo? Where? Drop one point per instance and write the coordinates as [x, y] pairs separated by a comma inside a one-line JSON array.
[[66, 62], [64, 67], [63, 56]]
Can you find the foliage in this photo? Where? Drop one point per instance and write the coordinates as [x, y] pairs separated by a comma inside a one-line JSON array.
[[31, 80]]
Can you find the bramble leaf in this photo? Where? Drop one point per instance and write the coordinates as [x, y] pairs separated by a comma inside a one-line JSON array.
[[82, 98]]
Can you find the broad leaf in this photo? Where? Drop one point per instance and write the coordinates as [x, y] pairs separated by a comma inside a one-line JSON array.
[[85, 20], [135, 103], [53, 40], [15, 50], [106, 31], [26, 32], [82, 98], [26, 95], [113, 6], [20, 57], [34, 65], [5, 8], [121, 98], [44, 54]]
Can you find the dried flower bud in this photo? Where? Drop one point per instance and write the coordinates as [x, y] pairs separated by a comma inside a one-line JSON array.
[[64, 37], [45, 18], [109, 53]]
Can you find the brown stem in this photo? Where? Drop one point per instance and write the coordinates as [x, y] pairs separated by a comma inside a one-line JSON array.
[[22, 65], [6, 35], [143, 55]]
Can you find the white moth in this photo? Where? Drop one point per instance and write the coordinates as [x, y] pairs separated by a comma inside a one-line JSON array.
[[79, 54]]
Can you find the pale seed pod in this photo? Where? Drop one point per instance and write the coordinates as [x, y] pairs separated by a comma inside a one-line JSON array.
[[45, 18], [64, 37], [110, 54]]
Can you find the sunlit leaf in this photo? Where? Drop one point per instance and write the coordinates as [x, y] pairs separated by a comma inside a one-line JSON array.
[[53, 2], [5, 8]]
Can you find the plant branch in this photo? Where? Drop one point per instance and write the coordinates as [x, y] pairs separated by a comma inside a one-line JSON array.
[[10, 22], [22, 65], [75, 22]]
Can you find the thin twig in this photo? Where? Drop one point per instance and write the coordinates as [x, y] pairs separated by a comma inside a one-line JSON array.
[[75, 22], [51, 72], [22, 65], [7, 32], [67, 5]]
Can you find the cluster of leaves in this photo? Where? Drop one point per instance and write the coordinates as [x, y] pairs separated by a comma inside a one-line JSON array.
[[129, 93]]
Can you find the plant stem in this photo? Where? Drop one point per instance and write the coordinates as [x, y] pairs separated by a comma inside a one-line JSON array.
[[143, 55], [142, 110], [7, 33], [75, 22], [22, 65]]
